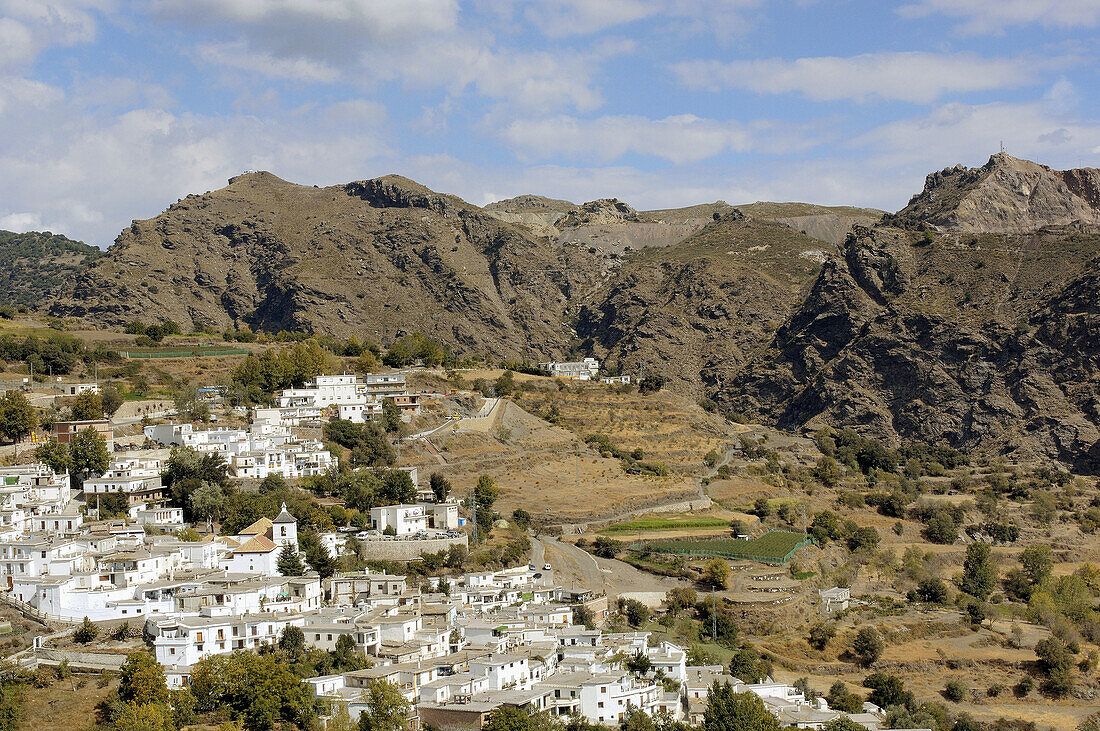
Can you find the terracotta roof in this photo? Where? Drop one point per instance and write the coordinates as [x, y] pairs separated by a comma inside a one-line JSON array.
[[256, 544], [259, 528]]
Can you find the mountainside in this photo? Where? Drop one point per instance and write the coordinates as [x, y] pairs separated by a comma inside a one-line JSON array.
[[696, 311], [968, 318], [36, 265], [1006, 195], [376, 258], [982, 345]]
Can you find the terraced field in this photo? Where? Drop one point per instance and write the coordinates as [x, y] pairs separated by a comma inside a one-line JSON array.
[[776, 546]]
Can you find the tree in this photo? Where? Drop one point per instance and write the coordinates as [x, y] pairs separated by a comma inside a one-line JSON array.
[[16, 416], [979, 574], [88, 406], [729, 711], [1056, 662], [111, 400], [680, 598], [843, 723], [651, 384], [716, 572], [207, 501], [820, 634], [54, 455], [347, 656], [141, 679], [88, 451], [293, 641], [827, 471], [258, 689], [86, 632], [605, 547], [521, 518], [1036, 562], [144, 717], [391, 416], [887, 690], [485, 494], [510, 718], [635, 612], [506, 384], [932, 590], [867, 646], [747, 666], [387, 708], [441, 487], [863, 538], [639, 663], [289, 562]]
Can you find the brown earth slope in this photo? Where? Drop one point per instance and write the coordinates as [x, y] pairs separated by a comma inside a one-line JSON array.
[[376, 258]]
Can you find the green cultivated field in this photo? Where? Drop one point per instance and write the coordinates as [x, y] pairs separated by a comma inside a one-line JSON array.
[[659, 524], [775, 547]]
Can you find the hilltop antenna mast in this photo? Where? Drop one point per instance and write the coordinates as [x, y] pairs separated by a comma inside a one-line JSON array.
[[1003, 147]]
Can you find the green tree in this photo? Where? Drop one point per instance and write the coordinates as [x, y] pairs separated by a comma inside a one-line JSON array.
[[651, 384], [843, 723], [729, 711], [88, 451], [86, 632], [144, 717], [17, 418], [485, 495], [141, 679], [747, 666], [111, 400], [441, 487], [54, 455], [88, 406], [716, 572], [387, 709], [289, 562], [391, 416], [506, 384], [1056, 662], [887, 690], [207, 501], [979, 575], [867, 646], [827, 471], [820, 634], [863, 538], [258, 689], [1036, 562], [292, 641]]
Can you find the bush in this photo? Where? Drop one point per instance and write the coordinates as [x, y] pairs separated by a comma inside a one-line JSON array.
[[86, 632], [867, 646], [955, 691]]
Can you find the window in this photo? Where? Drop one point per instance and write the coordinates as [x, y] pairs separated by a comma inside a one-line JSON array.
[[198, 636], [600, 705]]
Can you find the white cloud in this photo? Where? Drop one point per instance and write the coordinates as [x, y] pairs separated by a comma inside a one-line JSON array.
[[992, 16], [908, 76], [29, 26], [87, 173], [1042, 130], [678, 139], [237, 56], [580, 17]]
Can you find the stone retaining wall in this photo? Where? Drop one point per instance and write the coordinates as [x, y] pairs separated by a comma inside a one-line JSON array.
[[398, 550]]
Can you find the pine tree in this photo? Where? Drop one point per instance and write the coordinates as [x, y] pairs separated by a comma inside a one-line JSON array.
[[290, 563]]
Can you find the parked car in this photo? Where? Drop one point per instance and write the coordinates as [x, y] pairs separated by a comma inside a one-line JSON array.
[[547, 567]]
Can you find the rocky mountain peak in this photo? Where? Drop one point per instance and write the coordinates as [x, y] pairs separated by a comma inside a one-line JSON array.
[[1006, 195], [604, 210]]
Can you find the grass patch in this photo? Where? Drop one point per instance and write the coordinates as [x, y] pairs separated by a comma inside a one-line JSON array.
[[776, 546], [659, 524]]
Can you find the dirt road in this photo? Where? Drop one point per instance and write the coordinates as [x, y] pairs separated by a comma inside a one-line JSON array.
[[575, 569]]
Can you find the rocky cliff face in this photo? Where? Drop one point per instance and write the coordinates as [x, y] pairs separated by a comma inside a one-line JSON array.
[[1006, 195], [981, 346], [376, 258]]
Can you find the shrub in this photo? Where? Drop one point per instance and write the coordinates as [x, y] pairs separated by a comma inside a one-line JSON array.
[[955, 691]]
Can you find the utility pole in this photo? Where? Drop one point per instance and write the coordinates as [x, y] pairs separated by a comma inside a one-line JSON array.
[[577, 468], [473, 511], [713, 617]]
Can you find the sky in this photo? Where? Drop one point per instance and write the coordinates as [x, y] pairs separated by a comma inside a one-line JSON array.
[[111, 110]]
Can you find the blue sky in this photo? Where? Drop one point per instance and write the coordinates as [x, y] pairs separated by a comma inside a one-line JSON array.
[[111, 110]]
